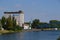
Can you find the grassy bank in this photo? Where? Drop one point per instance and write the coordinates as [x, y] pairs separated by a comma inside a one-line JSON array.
[[5, 31], [8, 31]]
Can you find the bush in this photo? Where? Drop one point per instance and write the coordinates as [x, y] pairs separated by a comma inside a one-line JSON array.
[[17, 28], [58, 38]]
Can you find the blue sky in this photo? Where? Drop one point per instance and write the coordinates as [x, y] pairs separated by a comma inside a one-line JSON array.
[[44, 10]]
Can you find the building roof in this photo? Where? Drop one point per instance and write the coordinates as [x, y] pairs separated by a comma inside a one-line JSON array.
[[19, 12]]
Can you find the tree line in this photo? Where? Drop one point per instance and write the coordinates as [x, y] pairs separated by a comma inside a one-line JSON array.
[[52, 24], [10, 24]]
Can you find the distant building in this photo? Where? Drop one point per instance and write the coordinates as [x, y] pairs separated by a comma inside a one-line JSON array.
[[19, 16], [27, 26]]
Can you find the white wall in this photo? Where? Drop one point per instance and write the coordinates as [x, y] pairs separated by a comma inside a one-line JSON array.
[[21, 18], [26, 27], [6, 15]]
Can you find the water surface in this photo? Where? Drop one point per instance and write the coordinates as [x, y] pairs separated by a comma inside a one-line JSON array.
[[40, 35]]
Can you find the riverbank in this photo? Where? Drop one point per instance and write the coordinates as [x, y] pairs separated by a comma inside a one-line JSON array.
[[27, 30], [5, 31], [44, 29], [8, 31], [11, 31]]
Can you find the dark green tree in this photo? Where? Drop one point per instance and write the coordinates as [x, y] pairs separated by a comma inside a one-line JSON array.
[[58, 38], [35, 23], [9, 23], [14, 23], [54, 23], [3, 22], [0, 25]]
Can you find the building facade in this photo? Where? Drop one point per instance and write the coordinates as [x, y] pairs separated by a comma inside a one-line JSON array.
[[19, 16]]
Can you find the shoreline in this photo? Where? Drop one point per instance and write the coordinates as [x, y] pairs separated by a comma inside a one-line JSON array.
[[36, 30], [24, 30], [8, 31]]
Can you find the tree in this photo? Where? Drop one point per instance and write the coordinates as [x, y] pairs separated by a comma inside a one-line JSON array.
[[3, 21], [14, 23], [9, 23], [35, 23], [44, 25], [0, 25], [54, 23], [58, 38]]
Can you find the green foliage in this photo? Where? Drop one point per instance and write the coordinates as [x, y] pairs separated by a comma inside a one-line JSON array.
[[44, 25], [58, 38], [10, 23], [3, 21], [35, 23], [0, 25], [54, 23], [18, 27], [14, 21]]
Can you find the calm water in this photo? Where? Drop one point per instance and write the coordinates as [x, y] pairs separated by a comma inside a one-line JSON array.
[[41, 35]]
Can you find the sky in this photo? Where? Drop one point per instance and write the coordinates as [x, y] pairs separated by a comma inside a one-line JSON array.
[[44, 10]]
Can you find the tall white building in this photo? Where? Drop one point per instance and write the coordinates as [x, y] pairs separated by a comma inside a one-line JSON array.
[[19, 16]]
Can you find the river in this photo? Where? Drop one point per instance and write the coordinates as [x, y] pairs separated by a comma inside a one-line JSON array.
[[40, 35]]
